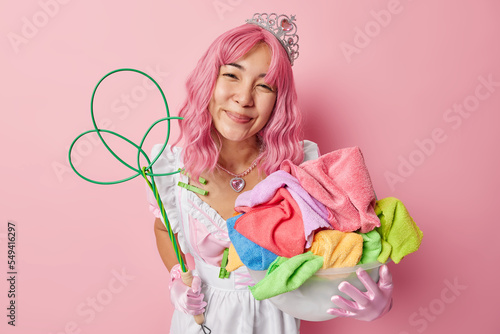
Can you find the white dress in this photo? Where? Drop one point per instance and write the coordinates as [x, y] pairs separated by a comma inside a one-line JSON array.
[[202, 232]]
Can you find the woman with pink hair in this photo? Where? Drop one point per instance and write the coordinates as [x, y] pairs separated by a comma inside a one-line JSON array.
[[241, 121]]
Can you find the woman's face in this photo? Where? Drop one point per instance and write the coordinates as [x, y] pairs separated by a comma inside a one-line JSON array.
[[242, 102]]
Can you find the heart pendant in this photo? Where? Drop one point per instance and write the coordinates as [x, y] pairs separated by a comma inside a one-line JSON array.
[[237, 183]]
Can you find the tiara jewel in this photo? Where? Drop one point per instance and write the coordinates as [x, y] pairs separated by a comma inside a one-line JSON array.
[[283, 28]]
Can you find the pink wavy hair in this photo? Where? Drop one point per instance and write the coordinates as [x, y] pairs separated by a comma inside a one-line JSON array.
[[282, 134]]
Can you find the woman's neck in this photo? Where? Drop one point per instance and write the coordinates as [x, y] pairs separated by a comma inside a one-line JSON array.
[[237, 156]]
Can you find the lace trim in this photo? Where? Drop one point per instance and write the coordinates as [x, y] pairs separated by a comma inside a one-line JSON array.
[[166, 163], [170, 196], [208, 216]]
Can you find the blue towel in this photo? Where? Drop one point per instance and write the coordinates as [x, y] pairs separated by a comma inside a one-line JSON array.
[[252, 255]]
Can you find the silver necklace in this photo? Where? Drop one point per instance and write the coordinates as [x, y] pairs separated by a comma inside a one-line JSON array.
[[237, 182]]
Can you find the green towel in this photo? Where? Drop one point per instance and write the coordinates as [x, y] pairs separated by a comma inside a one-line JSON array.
[[372, 247], [400, 233], [286, 274], [385, 253]]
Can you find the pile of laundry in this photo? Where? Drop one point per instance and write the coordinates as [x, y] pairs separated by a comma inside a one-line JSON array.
[[318, 215]]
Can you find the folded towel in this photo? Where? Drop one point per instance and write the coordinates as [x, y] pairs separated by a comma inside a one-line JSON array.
[[340, 181], [398, 229], [252, 255], [286, 274], [313, 213], [275, 225], [339, 249], [233, 259], [372, 247]]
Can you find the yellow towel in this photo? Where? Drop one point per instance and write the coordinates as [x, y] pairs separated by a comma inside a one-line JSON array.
[[233, 259], [339, 249]]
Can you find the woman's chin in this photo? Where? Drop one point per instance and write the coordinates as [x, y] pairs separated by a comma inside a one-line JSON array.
[[236, 136]]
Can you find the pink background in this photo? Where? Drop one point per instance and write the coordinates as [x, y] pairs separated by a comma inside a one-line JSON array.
[[392, 98]]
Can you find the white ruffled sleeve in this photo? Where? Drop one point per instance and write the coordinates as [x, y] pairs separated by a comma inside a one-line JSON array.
[[169, 161], [311, 150]]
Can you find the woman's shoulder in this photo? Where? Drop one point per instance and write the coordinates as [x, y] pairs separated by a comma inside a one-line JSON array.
[[167, 158], [311, 150]]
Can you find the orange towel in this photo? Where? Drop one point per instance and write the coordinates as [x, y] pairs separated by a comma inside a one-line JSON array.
[[339, 249]]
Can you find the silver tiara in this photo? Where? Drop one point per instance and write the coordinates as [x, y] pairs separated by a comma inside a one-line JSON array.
[[283, 28]]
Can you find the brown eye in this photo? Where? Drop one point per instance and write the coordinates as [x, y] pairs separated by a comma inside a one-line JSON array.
[[230, 75], [266, 87]]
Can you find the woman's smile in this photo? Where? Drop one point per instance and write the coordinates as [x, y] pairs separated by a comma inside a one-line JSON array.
[[238, 118]]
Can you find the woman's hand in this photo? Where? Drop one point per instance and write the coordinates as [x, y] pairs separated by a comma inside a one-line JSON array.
[[369, 305], [186, 299]]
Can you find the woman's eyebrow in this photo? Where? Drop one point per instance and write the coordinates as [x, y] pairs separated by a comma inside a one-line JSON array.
[[238, 66], [242, 68]]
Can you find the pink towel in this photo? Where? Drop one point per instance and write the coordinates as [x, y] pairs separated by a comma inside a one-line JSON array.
[[275, 225], [340, 181]]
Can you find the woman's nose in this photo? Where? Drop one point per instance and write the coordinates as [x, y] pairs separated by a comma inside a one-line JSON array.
[[244, 96]]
